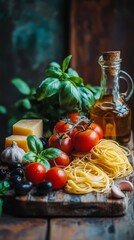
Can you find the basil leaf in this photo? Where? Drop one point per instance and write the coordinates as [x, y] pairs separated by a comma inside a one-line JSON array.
[[69, 96], [96, 91], [72, 72], [25, 103], [34, 143], [53, 72], [21, 86], [76, 80], [66, 62], [30, 156], [48, 88], [54, 64], [46, 164], [4, 186], [87, 98], [3, 109], [32, 91], [51, 153], [11, 122], [31, 114]]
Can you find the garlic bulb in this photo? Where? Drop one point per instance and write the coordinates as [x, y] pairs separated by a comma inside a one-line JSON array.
[[13, 154]]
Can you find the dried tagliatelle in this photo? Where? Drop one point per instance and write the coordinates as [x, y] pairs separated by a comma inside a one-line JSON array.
[[85, 177]]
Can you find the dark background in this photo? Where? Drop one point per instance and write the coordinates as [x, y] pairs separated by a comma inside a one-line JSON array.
[[36, 32]]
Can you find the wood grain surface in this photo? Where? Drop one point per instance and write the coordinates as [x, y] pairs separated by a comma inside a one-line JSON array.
[[19, 228], [62, 204], [97, 26]]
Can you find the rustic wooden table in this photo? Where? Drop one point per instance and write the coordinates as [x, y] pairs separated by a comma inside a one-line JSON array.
[[119, 228], [74, 228]]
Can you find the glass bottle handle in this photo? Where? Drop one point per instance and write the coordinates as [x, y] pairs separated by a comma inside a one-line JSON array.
[[130, 85]]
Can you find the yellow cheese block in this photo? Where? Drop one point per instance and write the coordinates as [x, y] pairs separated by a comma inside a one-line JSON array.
[[29, 127], [20, 140]]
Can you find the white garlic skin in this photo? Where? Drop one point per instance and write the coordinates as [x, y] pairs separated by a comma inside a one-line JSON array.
[[13, 154]]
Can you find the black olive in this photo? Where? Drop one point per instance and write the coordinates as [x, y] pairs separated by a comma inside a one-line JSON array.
[[14, 165], [43, 188], [17, 171], [44, 142], [14, 180], [23, 188], [3, 173]]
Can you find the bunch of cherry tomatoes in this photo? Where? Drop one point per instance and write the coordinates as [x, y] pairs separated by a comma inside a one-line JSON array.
[[75, 133]]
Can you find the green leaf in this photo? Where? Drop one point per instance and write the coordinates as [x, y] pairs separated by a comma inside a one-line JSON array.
[[48, 88], [46, 164], [21, 86], [25, 103], [53, 72], [87, 98], [3, 109], [11, 121], [69, 96], [30, 156], [43, 162], [66, 62], [77, 80], [96, 91], [72, 72], [31, 114], [34, 143], [4, 186], [51, 153], [32, 91], [54, 64]]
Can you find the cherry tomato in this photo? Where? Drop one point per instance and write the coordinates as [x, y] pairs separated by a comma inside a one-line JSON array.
[[74, 117], [35, 172], [64, 143], [75, 130], [83, 141], [57, 177], [97, 129], [63, 160], [62, 127]]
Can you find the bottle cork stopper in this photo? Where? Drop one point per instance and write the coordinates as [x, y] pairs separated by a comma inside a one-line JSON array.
[[111, 56]]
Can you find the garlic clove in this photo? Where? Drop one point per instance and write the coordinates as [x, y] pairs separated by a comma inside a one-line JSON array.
[[125, 185], [117, 193]]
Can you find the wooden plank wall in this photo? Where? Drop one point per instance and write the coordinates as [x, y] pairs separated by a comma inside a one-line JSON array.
[[101, 25]]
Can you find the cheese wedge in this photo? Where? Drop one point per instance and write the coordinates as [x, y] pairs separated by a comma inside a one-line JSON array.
[[29, 127], [20, 140]]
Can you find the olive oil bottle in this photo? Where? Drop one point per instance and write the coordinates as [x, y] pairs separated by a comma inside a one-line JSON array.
[[111, 111]]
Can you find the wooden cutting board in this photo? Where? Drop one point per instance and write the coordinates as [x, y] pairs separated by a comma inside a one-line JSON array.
[[61, 204]]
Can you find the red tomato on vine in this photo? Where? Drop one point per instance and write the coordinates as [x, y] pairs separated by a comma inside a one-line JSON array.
[[74, 117], [84, 141], [61, 141], [62, 127], [94, 126]]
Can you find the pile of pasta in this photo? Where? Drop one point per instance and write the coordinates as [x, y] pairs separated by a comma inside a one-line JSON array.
[[111, 158], [85, 177], [96, 170]]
